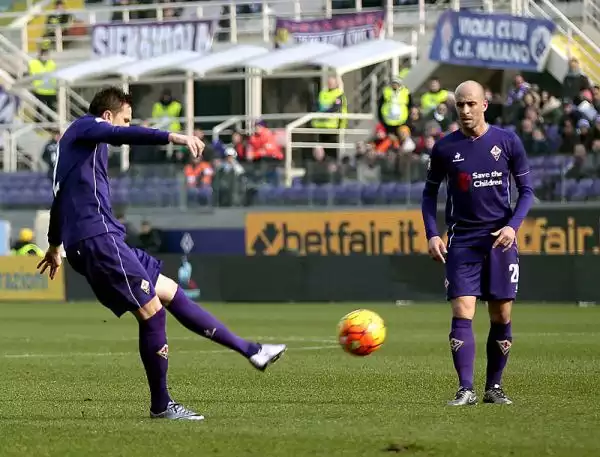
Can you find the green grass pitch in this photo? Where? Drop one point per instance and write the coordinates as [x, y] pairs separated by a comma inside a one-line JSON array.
[[71, 384]]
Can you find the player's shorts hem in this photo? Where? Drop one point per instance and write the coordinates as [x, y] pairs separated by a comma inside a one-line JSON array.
[[455, 296], [490, 298]]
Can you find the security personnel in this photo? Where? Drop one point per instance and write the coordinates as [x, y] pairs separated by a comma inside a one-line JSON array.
[[167, 111], [432, 98], [393, 104], [44, 87], [24, 245], [331, 100]]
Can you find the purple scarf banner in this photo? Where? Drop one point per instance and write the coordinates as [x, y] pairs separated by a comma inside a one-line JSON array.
[[341, 30], [152, 39]]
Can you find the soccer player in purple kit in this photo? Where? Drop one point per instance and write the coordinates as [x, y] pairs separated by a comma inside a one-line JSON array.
[[124, 278], [481, 259]]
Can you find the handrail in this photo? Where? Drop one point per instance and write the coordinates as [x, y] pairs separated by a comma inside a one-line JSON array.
[[217, 129], [291, 173], [566, 20], [569, 31]]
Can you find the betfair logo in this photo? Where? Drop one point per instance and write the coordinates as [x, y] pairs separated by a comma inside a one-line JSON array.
[[264, 241], [369, 233]]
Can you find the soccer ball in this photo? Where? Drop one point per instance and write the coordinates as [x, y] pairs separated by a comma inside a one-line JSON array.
[[361, 332]]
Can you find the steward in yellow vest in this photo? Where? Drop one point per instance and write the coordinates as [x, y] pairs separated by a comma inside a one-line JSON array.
[[331, 100], [40, 68], [393, 106], [431, 99], [167, 111], [25, 246]]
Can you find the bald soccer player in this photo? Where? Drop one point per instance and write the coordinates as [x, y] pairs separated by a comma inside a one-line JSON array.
[[481, 259]]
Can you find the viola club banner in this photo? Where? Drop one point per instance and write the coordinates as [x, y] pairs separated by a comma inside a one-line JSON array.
[[497, 41], [341, 30], [152, 39]]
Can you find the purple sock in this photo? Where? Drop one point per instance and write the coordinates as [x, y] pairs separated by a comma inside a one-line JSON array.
[[498, 348], [462, 344], [154, 352], [200, 321]]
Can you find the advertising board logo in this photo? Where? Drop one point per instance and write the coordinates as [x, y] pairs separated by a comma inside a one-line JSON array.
[[336, 233]]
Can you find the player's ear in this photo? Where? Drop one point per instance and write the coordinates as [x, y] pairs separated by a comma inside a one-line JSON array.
[[107, 116], [485, 105]]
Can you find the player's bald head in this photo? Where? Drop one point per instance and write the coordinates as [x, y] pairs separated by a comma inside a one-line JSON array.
[[470, 89], [471, 105]]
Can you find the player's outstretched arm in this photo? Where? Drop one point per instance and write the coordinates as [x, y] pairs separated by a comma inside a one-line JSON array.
[[99, 131], [194, 144], [436, 173]]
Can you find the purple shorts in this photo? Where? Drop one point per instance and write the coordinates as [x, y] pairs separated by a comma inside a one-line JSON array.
[[483, 272], [122, 277]]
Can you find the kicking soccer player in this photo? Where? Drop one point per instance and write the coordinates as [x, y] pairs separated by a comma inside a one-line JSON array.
[[477, 163], [124, 278]]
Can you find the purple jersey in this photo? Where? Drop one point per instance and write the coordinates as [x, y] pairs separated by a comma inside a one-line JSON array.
[[81, 208], [477, 172]]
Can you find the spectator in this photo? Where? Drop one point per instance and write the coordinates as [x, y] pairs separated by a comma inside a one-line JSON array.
[[382, 143], [198, 172], [581, 165], [540, 145], [526, 133], [368, 169], [433, 97], [49, 154], [569, 138], [321, 168], [238, 143], [59, 18], [227, 184], [440, 115], [149, 238], [331, 100], [406, 143], [575, 81], [167, 111], [44, 87], [392, 107], [263, 145], [514, 101], [415, 122]]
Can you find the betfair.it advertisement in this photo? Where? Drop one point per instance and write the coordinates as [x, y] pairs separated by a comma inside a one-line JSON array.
[[548, 232], [21, 281]]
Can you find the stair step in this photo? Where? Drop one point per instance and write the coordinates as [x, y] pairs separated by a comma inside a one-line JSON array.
[[588, 56]]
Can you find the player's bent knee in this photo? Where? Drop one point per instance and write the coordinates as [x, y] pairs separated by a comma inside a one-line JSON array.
[[149, 309], [464, 307], [500, 311], [166, 289]]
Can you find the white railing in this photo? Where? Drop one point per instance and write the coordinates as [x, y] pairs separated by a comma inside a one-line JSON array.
[[225, 126], [591, 14], [342, 145], [259, 25], [576, 38]]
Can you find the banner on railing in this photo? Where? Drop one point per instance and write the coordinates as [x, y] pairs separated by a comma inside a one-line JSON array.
[[492, 41], [152, 39], [341, 30]]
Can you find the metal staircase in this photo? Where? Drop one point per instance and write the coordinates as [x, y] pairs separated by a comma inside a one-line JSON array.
[[570, 40], [29, 133]]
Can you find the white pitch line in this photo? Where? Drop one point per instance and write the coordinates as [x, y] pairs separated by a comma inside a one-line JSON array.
[[67, 355]]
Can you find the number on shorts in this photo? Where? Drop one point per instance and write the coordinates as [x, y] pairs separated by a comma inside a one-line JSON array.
[[514, 272]]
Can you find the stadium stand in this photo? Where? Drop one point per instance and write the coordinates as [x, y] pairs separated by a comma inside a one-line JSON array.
[[258, 159]]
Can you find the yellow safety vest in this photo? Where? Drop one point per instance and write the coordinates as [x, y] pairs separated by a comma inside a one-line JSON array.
[[326, 99], [44, 85], [25, 250], [170, 112], [394, 109], [430, 100]]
